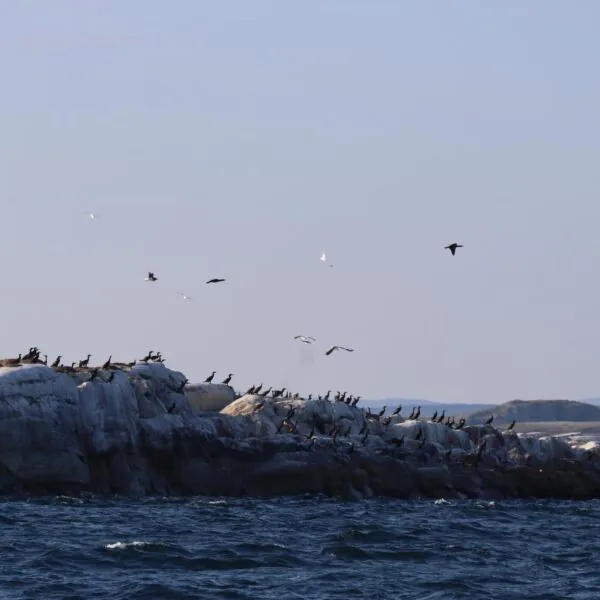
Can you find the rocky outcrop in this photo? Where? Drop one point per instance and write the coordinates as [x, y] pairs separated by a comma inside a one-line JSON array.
[[136, 431]]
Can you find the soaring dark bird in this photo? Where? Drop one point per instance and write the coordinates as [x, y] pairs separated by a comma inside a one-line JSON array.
[[453, 247], [489, 421], [227, 379], [210, 377], [334, 348], [215, 280], [150, 277]]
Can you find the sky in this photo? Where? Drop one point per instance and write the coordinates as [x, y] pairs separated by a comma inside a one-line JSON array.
[[241, 139]]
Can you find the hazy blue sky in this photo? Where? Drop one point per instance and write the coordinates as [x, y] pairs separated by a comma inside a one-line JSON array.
[[240, 139]]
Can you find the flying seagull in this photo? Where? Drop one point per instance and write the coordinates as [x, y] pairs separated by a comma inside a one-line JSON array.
[[324, 259], [215, 280], [333, 348], [184, 296], [150, 277], [93, 216], [453, 247], [306, 339]]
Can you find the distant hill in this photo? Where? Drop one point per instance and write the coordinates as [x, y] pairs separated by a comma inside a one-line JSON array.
[[533, 411]]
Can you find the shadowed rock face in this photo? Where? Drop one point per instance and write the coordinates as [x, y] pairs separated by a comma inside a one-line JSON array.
[[137, 434]]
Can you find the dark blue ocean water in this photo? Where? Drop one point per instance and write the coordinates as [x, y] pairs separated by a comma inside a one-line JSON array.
[[160, 548]]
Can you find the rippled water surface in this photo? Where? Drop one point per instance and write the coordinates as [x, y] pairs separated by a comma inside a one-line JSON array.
[[160, 548]]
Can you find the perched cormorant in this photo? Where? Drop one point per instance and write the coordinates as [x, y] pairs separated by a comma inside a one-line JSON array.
[[453, 247], [181, 387], [227, 379], [381, 412], [512, 425], [84, 363], [210, 377], [56, 363], [441, 417], [489, 421], [397, 411], [434, 417], [107, 363]]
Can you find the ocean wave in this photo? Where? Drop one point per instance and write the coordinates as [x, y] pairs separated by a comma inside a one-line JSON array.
[[297, 548]]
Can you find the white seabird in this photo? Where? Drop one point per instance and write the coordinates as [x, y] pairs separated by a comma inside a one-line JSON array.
[[184, 296], [333, 348], [306, 339], [93, 216], [324, 259]]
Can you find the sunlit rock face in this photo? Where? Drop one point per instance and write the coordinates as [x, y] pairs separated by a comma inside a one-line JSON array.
[[141, 430]]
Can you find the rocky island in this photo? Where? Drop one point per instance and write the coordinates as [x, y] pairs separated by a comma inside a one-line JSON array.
[[139, 429]]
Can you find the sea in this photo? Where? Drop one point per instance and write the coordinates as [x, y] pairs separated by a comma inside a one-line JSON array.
[[305, 547]]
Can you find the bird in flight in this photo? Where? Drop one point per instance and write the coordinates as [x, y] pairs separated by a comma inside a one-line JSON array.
[[306, 339], [150, 277], [324, 259], [184, 296], [93, 216], [334, 348], [215, 280], [453, 247]]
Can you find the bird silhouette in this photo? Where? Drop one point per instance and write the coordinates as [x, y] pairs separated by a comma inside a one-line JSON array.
[[334, 348], [453, 247]]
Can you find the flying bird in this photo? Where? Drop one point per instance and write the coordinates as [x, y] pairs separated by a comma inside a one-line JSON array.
[[184, 296], [215, 280], [453, 247], [93, 216], [334, 348], [150, 277], [324, 259], [306, 339]]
